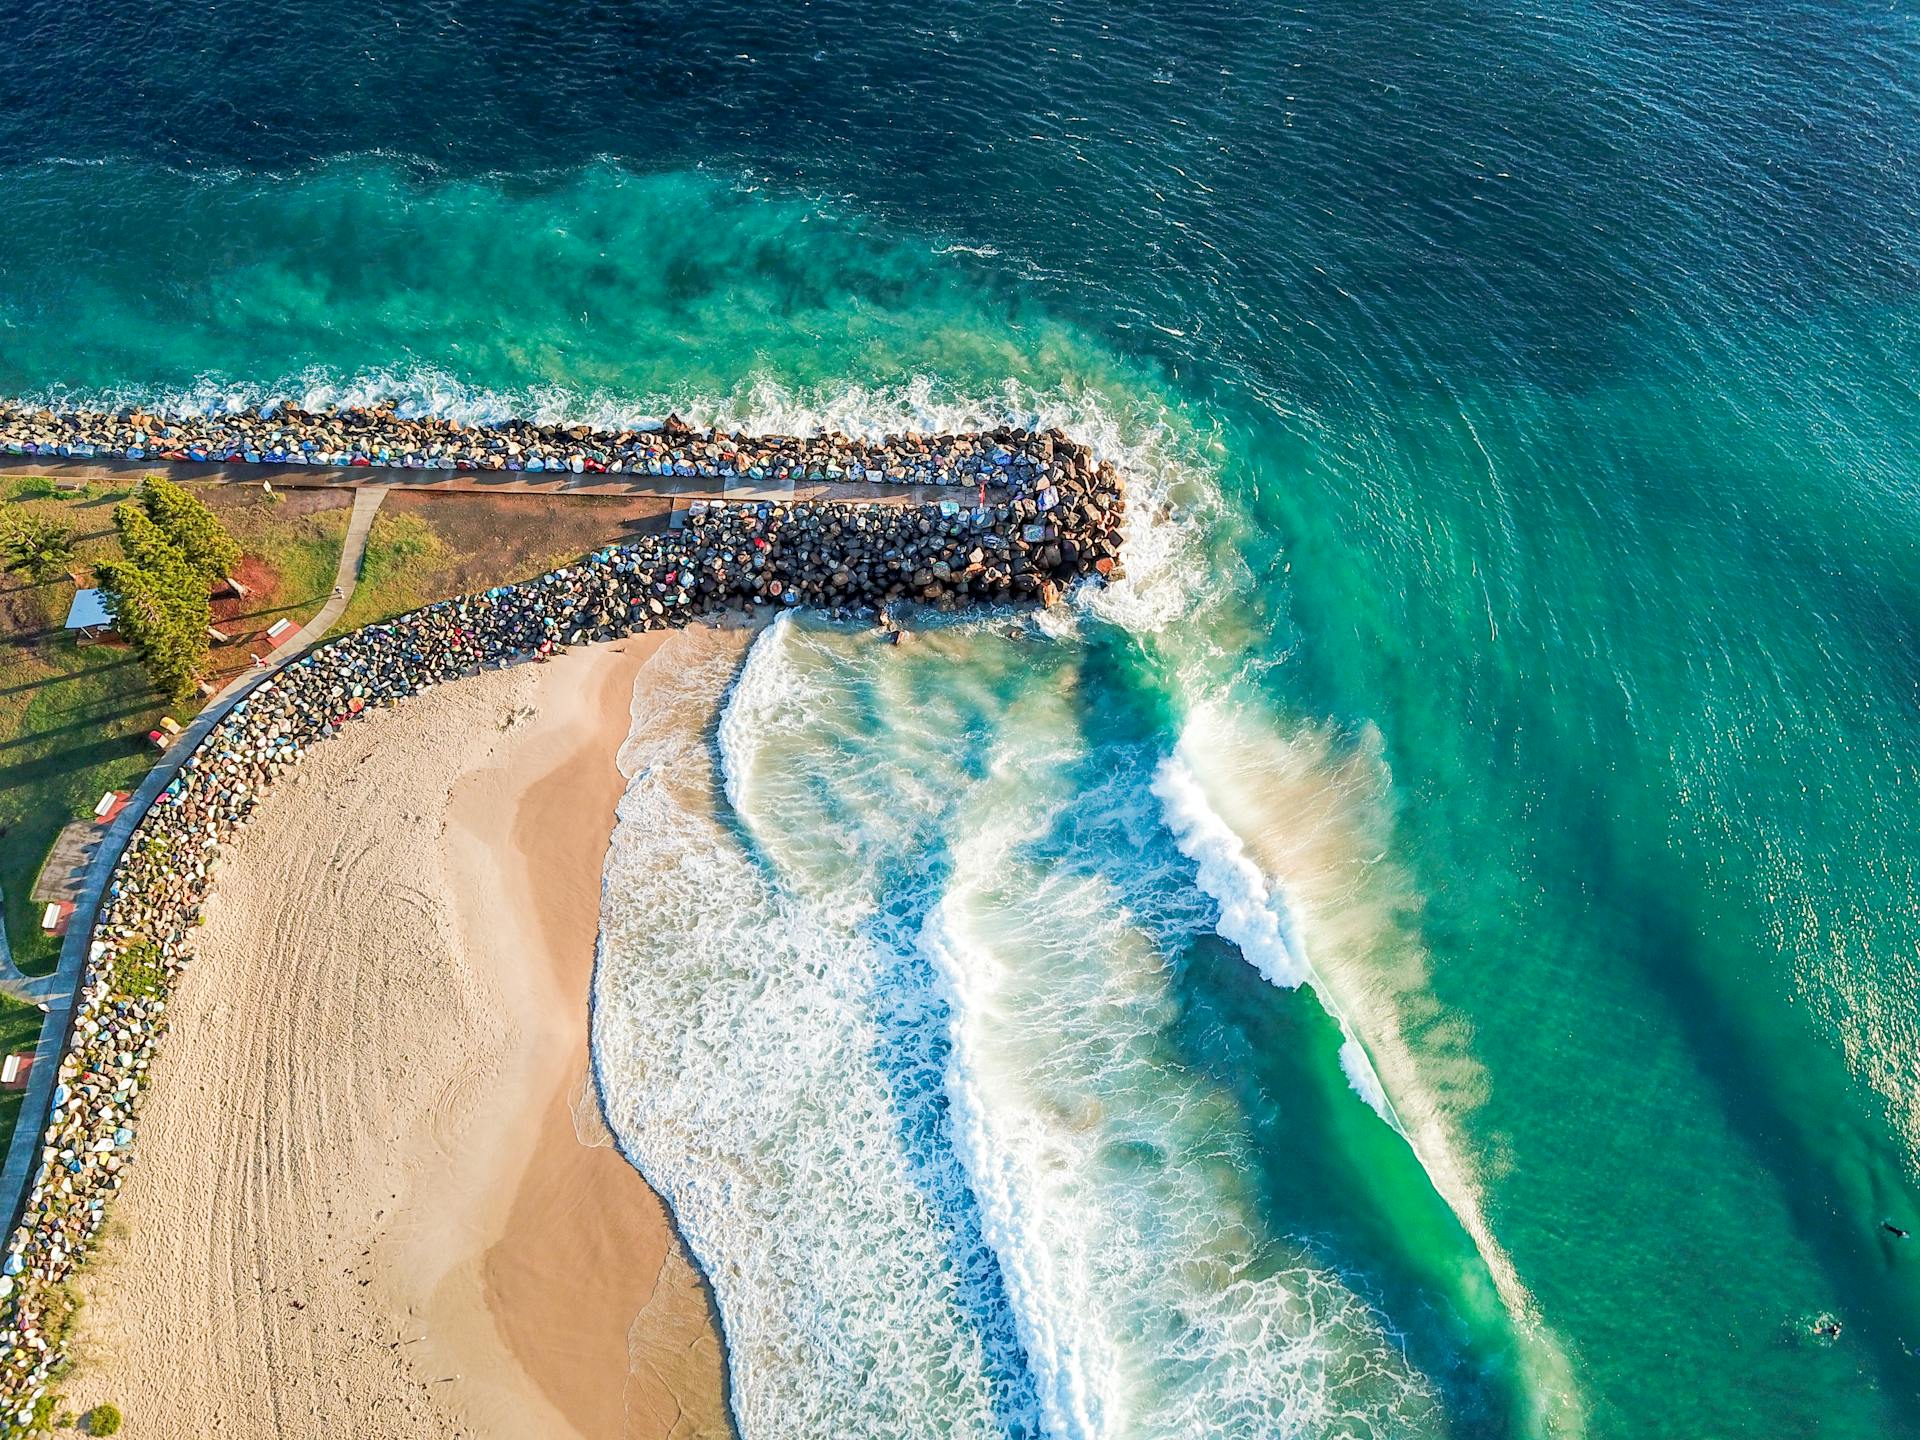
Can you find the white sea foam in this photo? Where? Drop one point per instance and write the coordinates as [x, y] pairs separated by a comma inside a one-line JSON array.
[[842, 773], [764, 692], [1256, 917], [767, 1065], [1303, 827], [1364, 1080], [1070, 1353], [908, 1082], [1111, 1178]]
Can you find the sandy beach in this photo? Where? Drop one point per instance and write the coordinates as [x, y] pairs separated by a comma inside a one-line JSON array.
[[373, 1194]]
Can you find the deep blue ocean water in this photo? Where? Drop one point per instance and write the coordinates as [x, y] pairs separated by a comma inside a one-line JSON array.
[[1529, 661]]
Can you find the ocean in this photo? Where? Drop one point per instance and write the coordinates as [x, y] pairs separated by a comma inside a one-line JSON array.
[[1435, 952]]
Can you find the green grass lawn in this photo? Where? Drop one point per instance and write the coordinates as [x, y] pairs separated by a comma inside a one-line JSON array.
[[81, 731], [19, 1030], [74, 718], [396, 573]]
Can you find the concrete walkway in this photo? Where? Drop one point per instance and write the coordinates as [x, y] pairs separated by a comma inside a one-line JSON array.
[[57, 992], [484, 482]]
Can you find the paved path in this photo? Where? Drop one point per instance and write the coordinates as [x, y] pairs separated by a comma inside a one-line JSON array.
[[484, 482], [56, 993]]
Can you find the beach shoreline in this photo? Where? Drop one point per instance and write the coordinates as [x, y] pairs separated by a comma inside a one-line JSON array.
[[604, 1367], [362, 1174]]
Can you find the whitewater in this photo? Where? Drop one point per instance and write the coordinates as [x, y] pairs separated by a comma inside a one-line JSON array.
[[915, 1133], [888, 1010]]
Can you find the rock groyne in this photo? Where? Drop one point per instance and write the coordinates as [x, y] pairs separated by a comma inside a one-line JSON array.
[[1021, 548], [1021, 461]]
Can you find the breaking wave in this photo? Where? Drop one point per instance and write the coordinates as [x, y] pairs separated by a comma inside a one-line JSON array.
[[888, 989], [1255, 917], [762, 1063], [1292, 856]]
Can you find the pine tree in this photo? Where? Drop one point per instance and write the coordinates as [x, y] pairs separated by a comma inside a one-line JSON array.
[[144, 542], [160, 603], [196, 530], [36, 545], [164, 621]]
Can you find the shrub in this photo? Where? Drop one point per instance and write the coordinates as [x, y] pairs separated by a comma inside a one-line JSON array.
[[137, 972], [36, 545], [103, 1419]]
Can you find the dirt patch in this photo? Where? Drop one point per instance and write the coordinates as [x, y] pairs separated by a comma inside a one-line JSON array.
[[23, 616], [246, 505], [243, 620], [231, 612], [494, 539]]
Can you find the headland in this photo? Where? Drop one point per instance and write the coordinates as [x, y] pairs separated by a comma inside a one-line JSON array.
[[1053, 520]]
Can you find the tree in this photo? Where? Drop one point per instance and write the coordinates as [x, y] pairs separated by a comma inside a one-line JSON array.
[[103, 1419], [184, 518], [37, 545], [159, 602], [145, 543], [161, 618]]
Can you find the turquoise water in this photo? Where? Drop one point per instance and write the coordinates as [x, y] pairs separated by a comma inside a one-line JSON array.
[[1436, 951]]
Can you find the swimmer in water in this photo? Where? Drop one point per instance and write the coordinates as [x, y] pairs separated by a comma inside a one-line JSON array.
[[1893, 1229]]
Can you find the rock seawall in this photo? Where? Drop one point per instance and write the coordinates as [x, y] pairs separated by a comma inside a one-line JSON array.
[[1022, 548], [379, 435]]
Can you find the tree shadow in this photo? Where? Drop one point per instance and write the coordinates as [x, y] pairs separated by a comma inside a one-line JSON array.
[[49, 681], [28, 584], [70, 759], [84, 718]]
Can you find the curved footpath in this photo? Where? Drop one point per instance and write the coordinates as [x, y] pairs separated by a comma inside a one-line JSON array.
[[55, 992], [1062, 524]]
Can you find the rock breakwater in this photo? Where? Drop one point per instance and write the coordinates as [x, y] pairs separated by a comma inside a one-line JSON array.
[[1026, 547], [1018, 460]]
